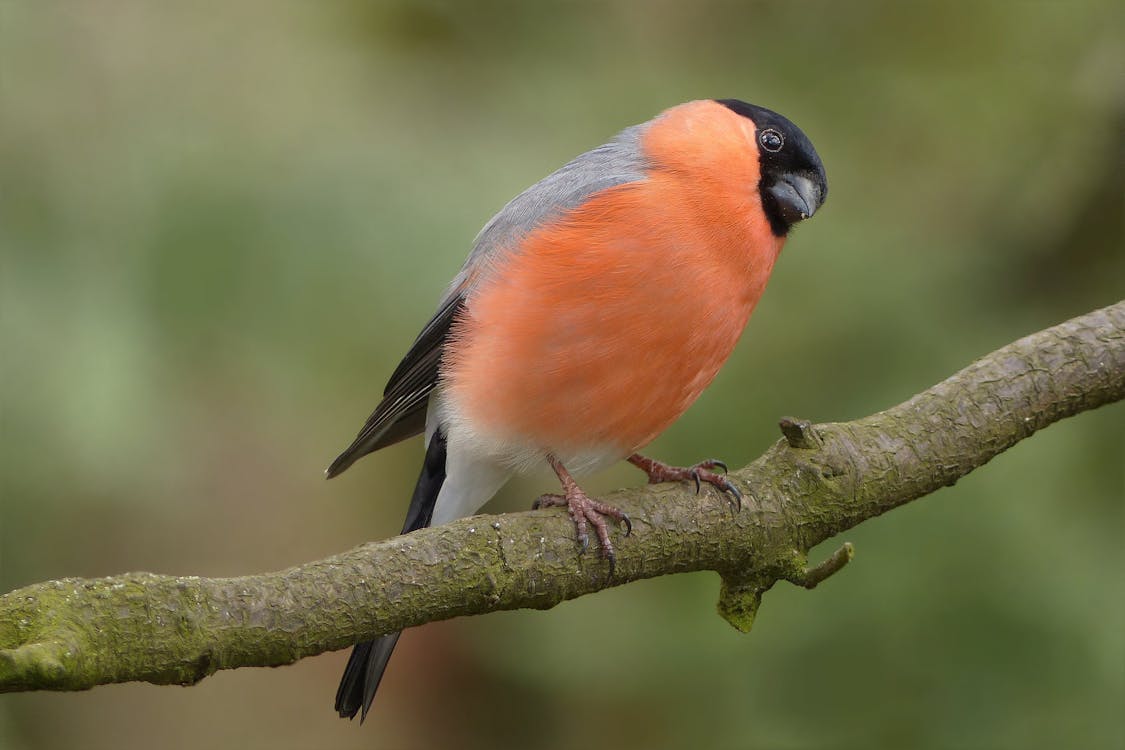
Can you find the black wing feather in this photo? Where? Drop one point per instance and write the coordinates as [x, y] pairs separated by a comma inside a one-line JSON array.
[[402, 412]]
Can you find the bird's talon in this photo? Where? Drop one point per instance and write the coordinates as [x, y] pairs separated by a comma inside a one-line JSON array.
[[699, 473], [736, 495], [584, 512]]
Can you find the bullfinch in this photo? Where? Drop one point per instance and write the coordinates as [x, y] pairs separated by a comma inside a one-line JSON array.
[[593, 309]]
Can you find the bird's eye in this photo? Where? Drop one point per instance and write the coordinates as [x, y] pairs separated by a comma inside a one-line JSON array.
[[771, 140]]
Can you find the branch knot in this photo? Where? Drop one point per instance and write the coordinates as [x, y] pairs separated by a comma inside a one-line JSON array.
[[800, 433]]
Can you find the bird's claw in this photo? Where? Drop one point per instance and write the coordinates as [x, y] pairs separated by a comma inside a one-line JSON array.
[[585, 512], [699, 473], [735, 493]]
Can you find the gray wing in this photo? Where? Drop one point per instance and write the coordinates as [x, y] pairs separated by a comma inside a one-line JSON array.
[[616, 163], [402, 412]]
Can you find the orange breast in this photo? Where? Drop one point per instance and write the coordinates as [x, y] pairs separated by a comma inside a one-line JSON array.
[[601, 328]]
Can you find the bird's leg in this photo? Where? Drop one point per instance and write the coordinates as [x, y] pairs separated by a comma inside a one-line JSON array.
[[658, 471], [583, 511]]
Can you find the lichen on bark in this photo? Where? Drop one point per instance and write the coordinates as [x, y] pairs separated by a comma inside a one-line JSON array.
[[820, 480]]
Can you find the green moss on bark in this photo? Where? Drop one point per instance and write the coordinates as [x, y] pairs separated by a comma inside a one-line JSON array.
[[823, 479]]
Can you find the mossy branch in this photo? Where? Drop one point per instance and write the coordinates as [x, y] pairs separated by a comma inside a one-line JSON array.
[[73, 634]]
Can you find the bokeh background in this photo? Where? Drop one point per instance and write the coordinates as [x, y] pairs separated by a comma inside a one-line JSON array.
[[222, 224]]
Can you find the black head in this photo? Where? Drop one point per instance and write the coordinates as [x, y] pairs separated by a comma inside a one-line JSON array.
[[793, 184]]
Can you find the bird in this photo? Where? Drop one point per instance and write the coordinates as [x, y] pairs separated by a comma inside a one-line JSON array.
[[592, 310]]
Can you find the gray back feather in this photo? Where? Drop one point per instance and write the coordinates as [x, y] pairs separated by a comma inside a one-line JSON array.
[[615, 163], [402, 412]]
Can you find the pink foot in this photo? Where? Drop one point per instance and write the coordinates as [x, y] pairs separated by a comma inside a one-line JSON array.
[[658, 471], [585, 511]]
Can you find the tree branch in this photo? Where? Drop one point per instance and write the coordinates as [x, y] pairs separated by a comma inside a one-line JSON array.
[[74, 633]]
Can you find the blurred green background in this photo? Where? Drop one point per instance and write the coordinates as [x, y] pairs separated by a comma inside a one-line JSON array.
[[222, 224]]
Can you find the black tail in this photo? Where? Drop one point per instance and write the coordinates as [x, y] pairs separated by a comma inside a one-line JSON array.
[[369, 659]]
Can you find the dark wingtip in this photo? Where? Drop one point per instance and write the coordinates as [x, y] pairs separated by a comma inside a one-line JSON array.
[[344, 460], [336, 468]]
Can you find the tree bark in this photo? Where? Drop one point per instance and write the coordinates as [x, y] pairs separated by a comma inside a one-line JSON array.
[[818, 481]]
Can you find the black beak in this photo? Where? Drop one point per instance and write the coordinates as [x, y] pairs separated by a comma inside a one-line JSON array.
[[798, 196]]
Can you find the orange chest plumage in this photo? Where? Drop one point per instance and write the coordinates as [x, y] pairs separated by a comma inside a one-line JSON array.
[[601, 327]]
